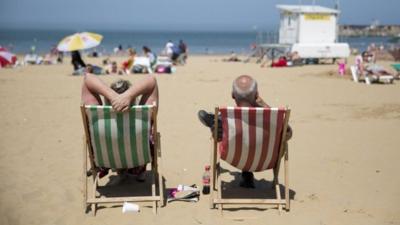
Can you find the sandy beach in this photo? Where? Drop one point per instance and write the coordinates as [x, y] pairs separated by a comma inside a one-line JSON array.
[[343, 155]]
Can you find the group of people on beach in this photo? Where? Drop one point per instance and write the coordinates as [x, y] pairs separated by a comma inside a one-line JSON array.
[[111, 67], [288, 59], [177, 53], [148, 62]]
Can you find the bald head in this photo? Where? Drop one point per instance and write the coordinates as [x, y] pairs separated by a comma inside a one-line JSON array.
[[244, 90]]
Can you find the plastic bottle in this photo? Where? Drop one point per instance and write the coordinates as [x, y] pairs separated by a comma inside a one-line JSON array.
[[206, 180]]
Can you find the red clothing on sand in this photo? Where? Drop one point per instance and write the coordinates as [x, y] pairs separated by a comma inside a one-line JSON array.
[[281, 63]]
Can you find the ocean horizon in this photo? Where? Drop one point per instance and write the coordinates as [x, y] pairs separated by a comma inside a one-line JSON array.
[[20, 41]]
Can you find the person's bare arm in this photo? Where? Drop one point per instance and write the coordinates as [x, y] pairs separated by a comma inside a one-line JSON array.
[[260, 102], [93, 87], [146, 87], [94, 84]]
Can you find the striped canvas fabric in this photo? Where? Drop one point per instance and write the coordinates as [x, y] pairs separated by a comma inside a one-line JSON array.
[[120, 140], [251, 137]]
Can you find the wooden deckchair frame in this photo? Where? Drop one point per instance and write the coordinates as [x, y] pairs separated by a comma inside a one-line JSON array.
[[216, 181], [93, 200]]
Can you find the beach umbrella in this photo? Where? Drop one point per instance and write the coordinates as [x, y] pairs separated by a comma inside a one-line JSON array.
[[79, 41], [6, 57]]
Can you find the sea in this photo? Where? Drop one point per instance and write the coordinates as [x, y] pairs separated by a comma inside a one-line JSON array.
[[199, 42]]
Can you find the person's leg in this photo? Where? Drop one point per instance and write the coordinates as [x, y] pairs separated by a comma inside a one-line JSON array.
[[207, 119], [75, 64], [185, 56], [81, 62], [384, 72], [181, 59], [247, 180]]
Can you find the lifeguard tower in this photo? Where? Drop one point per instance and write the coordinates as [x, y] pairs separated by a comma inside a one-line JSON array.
[[310, 30]]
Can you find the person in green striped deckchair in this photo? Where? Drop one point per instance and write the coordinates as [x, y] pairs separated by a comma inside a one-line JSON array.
[[121, 95], [121, 137], [93, 88]]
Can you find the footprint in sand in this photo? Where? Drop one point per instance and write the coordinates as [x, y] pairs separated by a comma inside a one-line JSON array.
[[313, 197]]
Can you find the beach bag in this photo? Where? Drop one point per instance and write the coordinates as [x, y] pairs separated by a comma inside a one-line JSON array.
[[163, 69], [137, 69]]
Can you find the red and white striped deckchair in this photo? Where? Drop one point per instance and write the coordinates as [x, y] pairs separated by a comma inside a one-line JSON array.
[[118, 140], [251, 141]]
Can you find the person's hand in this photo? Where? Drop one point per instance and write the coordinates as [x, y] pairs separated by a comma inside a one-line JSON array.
[[260, 102], [289, 133], [121, 103]]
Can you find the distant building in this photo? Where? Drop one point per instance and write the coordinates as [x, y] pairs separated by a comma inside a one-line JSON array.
[[311, 30], [369, 30], [307, 24]]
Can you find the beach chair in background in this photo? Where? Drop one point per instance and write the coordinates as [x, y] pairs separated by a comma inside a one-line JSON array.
[[397, 68], [118, 140], [143, 62], [164, 60], [354, 73], [252, 141], [33, 59], [369, 79]]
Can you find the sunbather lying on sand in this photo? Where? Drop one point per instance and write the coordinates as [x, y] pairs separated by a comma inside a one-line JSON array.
[[232, 58], [366, 68]]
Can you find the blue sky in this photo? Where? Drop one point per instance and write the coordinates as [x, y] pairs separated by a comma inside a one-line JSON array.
[[176, 14]]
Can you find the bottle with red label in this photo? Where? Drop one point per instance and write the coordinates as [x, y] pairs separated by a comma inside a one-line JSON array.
[[206, 180]]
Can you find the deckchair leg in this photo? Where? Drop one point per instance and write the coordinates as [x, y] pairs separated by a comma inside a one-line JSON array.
[[219, 180], [159, 171], [153, 192], [94, 205], [93, 209], [212, 194], [278, 196], [275, 171], [212, 178], [287, 197], [215, 145], [161, 191], [367, 80], [84, 191]]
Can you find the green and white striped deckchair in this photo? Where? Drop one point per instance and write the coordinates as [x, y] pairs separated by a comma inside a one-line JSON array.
[[121, 140]]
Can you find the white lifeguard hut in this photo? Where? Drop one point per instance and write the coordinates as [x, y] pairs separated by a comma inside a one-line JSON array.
[[311, 30]]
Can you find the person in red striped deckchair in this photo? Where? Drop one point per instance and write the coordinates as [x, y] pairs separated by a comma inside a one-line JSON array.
[[245, 94], [121, 95]]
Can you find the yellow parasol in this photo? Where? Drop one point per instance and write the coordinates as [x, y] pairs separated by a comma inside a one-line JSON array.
[[79, 41]]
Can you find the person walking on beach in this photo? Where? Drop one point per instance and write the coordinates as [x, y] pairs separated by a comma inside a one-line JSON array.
[[184, 52], [77, 61], [168, 49], [245, 94]]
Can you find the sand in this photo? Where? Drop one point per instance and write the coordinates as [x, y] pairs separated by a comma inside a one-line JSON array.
[[343, 155]]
